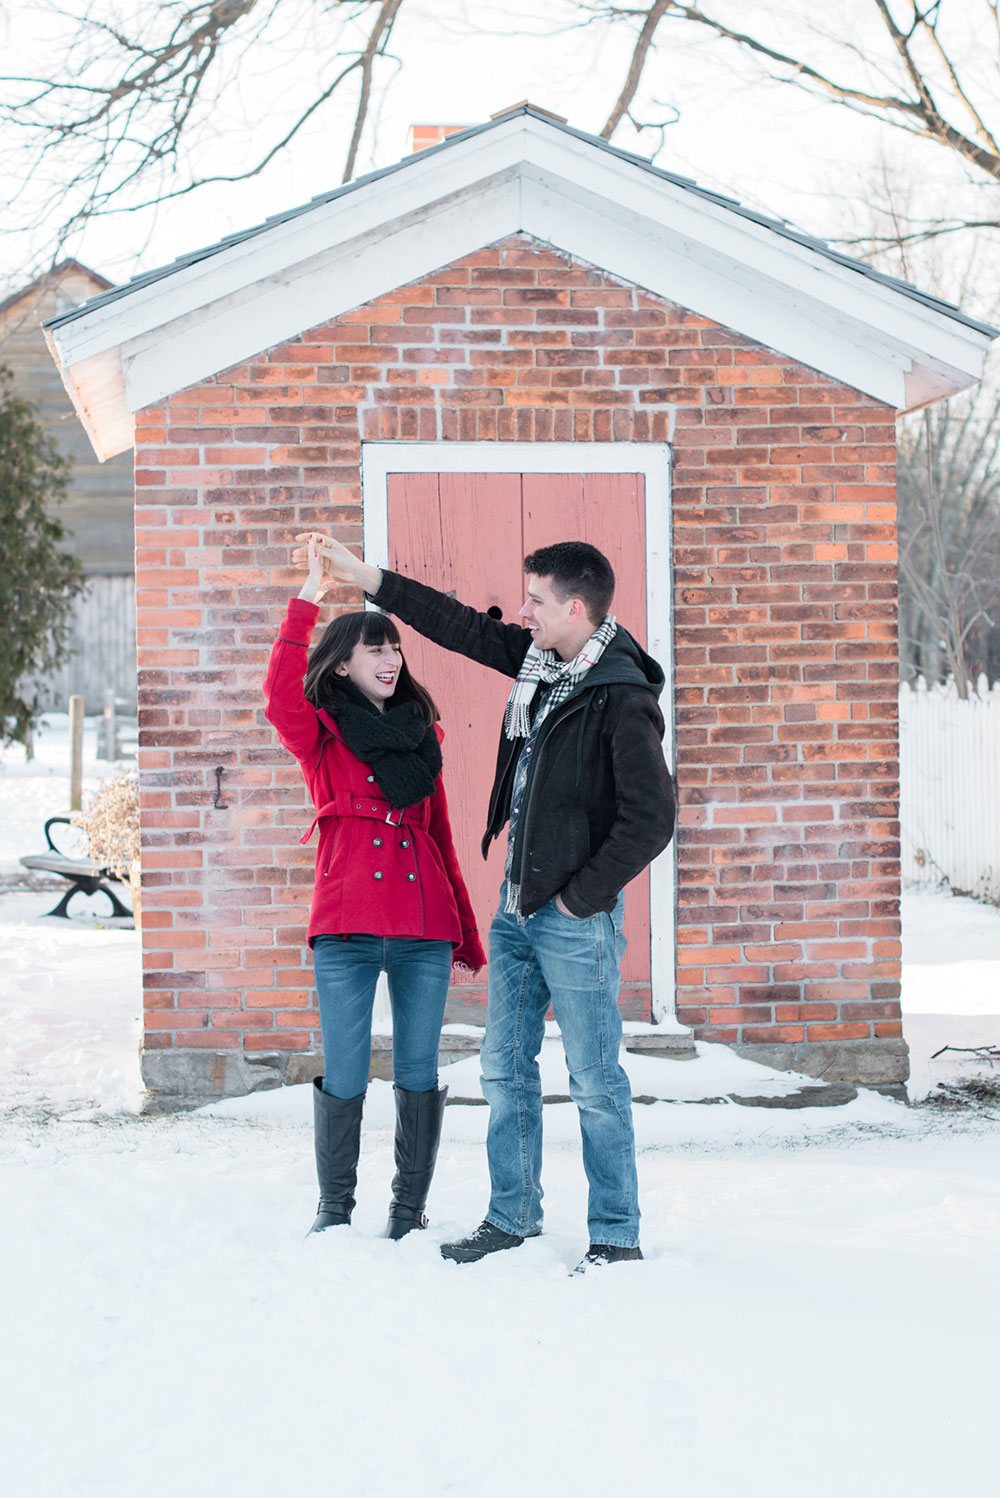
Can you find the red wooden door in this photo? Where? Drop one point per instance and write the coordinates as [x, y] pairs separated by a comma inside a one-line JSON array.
[[469, 533]]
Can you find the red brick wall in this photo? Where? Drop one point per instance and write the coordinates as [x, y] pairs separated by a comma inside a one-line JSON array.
[[785, 598]]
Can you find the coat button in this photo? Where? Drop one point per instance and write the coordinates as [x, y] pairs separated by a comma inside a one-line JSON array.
[[376, 842], [405, 843], [411, 877], [371, 780], [377, 874]]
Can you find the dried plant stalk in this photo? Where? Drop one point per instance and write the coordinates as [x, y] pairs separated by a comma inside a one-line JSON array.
[[110, 821]]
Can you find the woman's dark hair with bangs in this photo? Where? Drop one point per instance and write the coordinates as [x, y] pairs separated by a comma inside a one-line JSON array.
[[367, 627]]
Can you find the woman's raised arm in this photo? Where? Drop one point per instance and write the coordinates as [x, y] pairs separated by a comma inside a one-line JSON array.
[[285, 702]]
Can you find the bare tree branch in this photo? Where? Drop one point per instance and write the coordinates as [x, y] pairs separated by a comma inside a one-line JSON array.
[[643, 43], [136, 102], [948, 472], [253, 171], [923, 235], [949, 558], [138, 107], [377, 43], [958, 88], [914, 109], [185, 56]]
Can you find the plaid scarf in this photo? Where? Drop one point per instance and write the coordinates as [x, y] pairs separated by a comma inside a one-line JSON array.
[[562, 678]]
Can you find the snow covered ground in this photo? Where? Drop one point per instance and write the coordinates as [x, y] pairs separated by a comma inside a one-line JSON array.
[[32, 790], [807, 1318], [951, 986], [816, 1311]]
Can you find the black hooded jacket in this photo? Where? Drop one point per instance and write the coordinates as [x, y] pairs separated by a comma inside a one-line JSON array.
[[599, 802]]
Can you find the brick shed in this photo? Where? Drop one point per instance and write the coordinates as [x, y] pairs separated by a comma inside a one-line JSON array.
[[515, 336]]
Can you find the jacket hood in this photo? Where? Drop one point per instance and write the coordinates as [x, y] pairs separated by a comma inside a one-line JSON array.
[[625, 661]]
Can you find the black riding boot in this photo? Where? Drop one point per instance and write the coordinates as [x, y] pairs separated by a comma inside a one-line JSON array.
[[337, 1129], [419, 1116]]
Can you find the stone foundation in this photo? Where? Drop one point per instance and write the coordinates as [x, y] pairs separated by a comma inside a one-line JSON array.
[[881, 1064], [180, 1079]]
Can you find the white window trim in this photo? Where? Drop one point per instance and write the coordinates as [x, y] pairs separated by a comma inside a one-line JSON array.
[[652, 460]]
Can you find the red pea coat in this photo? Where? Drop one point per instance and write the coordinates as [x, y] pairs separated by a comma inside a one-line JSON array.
[[379, 870]]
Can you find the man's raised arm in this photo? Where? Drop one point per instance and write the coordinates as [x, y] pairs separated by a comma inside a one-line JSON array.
[[433, 614]]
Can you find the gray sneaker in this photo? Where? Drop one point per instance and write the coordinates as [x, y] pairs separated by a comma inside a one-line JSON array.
[[599, 1254], [486, 1239]]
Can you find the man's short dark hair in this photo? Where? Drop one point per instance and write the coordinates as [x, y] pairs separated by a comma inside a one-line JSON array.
[[577, 570]]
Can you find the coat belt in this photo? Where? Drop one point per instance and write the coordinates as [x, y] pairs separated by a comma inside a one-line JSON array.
[[346, 804]]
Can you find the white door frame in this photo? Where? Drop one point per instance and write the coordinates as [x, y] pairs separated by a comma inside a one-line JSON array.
[[652, 460]]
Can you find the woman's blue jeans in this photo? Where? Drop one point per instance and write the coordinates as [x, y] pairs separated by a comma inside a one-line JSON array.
[[347, 971], [574, 965]]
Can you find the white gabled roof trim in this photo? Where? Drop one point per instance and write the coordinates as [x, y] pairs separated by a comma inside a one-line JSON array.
[[521, 174], [159, 362]]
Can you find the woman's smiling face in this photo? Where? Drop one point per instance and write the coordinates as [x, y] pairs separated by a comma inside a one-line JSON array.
[[374, 670]]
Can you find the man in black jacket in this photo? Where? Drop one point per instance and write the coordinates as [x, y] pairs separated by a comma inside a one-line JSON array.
[[582, 782]]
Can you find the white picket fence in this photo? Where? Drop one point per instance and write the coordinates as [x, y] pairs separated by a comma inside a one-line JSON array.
[[949, 771]]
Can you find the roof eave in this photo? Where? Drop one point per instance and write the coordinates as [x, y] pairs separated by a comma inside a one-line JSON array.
[[96, 387]]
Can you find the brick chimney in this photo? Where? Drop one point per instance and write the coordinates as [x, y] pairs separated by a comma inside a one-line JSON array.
[[420, 137]]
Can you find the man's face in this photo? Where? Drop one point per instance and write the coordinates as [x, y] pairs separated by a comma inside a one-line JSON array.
[[552, 621]]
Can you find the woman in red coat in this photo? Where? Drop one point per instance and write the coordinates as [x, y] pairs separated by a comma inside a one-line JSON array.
[[389, 894]]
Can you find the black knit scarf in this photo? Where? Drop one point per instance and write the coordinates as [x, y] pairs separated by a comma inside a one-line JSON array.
[[399, 744]]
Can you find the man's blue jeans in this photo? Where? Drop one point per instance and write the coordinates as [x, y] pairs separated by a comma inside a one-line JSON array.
[[347, 970], [574, 965]]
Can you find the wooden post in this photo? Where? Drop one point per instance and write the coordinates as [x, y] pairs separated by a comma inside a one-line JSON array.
[[101, 746], [110, 725], [75, 753]]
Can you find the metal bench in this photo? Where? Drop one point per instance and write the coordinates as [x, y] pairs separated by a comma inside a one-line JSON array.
[[85, 876]]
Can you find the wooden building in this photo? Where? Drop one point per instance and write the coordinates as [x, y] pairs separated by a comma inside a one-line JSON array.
[[98, 509], [519, 335]]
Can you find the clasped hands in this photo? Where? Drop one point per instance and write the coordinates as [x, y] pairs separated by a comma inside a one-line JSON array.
[[329, 561]]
